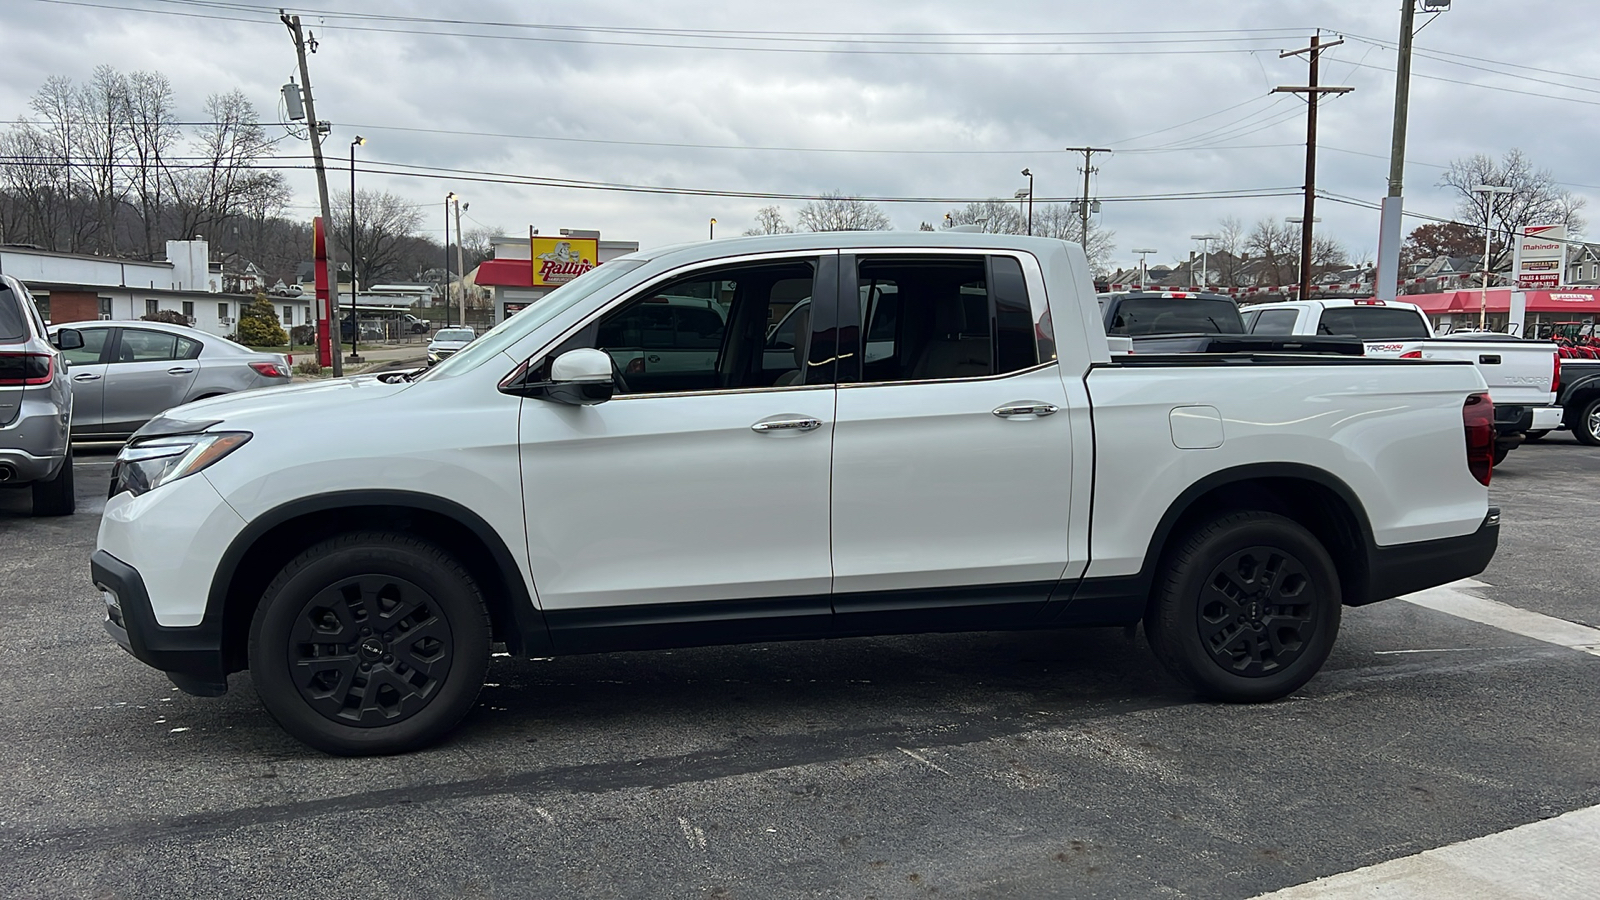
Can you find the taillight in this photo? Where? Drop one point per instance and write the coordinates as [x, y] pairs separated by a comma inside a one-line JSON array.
[[1414, 354], [22, 369], [1555, 374], [1477, 420], [270, 370]]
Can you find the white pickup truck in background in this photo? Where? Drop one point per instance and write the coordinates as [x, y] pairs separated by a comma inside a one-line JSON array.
[[1523, 376], [949, 446]]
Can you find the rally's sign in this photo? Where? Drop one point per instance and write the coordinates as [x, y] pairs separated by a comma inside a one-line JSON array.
[[558, 260], [1541, 256]]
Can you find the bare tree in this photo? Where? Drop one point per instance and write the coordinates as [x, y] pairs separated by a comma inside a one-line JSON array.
[[152, 134], [225, 181], [1277, 245], [53, 140], [836, 212], [383, 223], [100, 108], [1535, 198], [993, 216], [769, 220], [1228, 250], [34, 181], [1327, 254], [1057, 220]]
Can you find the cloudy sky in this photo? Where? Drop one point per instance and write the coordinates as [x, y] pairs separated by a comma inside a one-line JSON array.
[[927, 99]]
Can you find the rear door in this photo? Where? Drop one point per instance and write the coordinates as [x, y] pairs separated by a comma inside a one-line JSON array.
[[87, 372], [952, 459], [146, 376]]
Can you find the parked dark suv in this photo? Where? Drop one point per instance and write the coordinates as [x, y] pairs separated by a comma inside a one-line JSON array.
[[35, 403]]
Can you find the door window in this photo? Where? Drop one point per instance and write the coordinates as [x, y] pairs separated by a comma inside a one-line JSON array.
[[138, 345], [1275, 321], [706, 331], [1373, 323], [94, 341], [934, 318]]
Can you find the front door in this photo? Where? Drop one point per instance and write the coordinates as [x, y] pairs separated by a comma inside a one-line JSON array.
[[693, 506], [86, 368], [952, 459]]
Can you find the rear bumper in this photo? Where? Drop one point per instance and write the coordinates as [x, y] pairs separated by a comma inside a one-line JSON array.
[[1511, 419], [1547, 418], [191, 656], [1404, 568]]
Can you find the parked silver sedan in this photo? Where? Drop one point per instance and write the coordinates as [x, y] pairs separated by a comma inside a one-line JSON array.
[[127, 373]]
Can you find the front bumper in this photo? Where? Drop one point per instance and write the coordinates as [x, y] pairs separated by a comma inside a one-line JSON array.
[[1404, 568], [190, 655]]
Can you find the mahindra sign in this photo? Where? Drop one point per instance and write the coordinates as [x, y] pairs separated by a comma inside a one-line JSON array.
[[1541, 256]]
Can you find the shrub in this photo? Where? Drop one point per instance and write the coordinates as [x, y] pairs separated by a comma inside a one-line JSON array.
[[169, 316], [258, 324], [303, 334], [309, 367]]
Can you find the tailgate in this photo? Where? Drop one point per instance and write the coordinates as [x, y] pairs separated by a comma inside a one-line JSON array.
[[1517, 372]]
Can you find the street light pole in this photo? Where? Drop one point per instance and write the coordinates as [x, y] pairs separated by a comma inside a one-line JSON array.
[[355, 325], [1030, 199], [461, 262], [1205, 250], [447, 198], [1488, 222], [1142, 272]]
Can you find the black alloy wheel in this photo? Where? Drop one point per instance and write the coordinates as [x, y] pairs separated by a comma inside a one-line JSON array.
[[370, 650], [1245, 608], [370, 643]]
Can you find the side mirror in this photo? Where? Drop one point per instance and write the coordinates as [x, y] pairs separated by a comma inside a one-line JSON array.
[[68, 339], [579, 377]]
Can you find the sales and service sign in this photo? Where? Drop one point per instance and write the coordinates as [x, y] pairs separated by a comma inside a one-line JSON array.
[[558, 260], [1541, 256]]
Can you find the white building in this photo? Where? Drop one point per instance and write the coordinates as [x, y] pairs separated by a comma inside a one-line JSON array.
[[76, 287]]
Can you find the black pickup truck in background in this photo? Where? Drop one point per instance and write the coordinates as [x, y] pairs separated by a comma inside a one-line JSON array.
[[1579, 398], [1198, 322]]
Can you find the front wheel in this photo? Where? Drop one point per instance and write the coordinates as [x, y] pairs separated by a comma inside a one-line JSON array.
[[370, 643], [1245, 608], [1587, 426]]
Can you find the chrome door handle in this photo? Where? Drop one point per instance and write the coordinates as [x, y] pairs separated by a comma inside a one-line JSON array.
[[1026, 409], [86, 376], [797, 424], [179, 370]]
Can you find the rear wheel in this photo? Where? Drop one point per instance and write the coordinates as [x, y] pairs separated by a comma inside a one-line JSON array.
[[1246, 608], [1586, 428], [1500, 454], [56, 497], [1535, 435], [370, 643]]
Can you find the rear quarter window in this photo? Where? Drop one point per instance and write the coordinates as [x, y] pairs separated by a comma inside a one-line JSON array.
[[13, 327]]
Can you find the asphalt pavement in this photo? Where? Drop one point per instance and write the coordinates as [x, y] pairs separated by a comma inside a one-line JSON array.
[[983, 765]]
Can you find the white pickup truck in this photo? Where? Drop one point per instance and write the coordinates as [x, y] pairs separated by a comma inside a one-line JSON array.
[[989, 466], [1523, 376]]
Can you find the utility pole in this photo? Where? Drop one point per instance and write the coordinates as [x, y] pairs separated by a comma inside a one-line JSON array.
[[1087, 170], [461, 263], [314, 125], [1313, 93], [1388, 274]]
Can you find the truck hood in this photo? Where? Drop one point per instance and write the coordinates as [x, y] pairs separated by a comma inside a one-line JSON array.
[[292, 398]]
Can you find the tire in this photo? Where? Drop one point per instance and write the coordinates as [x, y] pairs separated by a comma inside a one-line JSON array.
[[1500, 454], [1535, 435], [1586, 426], [56, 497], [342, 617], [1239, 649]]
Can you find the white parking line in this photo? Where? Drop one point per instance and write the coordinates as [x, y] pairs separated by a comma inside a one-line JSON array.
[[1454, 599], [1550, 860]]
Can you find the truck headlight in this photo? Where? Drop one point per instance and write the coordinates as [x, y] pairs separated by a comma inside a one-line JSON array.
[[144, 465]]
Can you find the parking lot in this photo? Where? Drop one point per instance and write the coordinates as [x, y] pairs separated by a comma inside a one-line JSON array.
[[995, 765]]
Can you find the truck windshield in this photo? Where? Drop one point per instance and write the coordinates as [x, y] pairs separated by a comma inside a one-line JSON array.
[[1374, 323], [1175, 315]]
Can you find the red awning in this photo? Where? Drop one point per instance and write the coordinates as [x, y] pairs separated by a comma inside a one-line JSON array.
[[1578, 301], [505, 273]]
